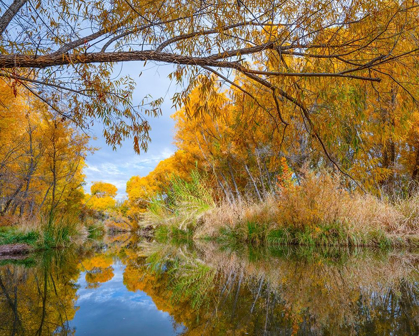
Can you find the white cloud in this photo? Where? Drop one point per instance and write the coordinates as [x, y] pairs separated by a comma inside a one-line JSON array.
[[89, 169], [123, 169]]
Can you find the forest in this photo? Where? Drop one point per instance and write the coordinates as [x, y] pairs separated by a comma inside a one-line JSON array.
[[296, 136], [294, 124]]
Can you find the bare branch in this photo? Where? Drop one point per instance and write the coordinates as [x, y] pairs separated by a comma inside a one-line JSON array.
[[10, 13]]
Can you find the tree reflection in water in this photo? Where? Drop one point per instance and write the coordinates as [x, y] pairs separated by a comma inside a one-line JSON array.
[[215, 291], [39, 298], [283, 291]]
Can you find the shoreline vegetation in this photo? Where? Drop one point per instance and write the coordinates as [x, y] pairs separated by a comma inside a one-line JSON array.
[[313, 211], [24, 236], [238, 178], [46, 235]]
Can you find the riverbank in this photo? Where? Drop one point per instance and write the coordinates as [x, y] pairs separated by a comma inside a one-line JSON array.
[[60, 233], [45, 235], [14, 249], [317, 211]]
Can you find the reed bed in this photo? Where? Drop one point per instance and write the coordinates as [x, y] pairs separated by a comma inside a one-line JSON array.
[[317, 210]]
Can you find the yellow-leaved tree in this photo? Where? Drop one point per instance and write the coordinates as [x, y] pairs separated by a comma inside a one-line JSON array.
[[41, 159], [102, 196]]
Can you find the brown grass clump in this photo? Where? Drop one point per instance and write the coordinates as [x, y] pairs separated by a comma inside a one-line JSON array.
[[320, 208], [234, 216], [409, 210], [8, 220], [321, 200], [317, 200]]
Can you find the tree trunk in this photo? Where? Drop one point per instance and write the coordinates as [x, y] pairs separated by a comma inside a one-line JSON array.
[[234, 181], [254, 183]]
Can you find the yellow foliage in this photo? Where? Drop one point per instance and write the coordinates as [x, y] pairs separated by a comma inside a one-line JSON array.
[[41, 158], [141, 190], [102, 198]]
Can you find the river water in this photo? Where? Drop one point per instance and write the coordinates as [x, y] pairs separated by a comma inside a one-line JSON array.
[[125, 286]]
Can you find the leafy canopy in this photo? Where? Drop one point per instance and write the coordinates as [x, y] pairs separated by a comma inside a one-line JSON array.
[[65, 52]]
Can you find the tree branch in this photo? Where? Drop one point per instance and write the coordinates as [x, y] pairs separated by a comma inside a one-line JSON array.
[[10, 13]]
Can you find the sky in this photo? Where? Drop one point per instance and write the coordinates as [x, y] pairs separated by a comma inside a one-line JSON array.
[[117, 167]]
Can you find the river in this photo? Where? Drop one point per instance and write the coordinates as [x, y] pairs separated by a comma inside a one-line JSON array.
[[123, 285]]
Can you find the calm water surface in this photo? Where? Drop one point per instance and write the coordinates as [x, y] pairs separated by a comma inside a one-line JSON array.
[[127, 287]]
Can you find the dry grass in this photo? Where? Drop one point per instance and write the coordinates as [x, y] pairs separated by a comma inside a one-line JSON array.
[[318, 211], [233, 216], [409, 212], [320, 200]]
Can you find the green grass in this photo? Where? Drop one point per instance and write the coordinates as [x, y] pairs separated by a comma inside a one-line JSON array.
[[46, 236], [26, 262], [164, 234], [251, 233], [56, 234], [96, 230], [14, 236], [182, 203], [327, 255]]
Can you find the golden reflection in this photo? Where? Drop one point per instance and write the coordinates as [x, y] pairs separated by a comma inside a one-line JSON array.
[[333, 292], [213, 290], [38, 300]]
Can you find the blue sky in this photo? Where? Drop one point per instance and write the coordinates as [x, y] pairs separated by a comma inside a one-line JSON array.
[[118, 166]]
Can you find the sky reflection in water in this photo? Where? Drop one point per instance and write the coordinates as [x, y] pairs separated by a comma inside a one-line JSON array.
[[111, 309]]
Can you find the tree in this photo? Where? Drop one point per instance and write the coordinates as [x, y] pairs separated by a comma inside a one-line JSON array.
[[102, 196], [141, 190], [103, 189], [237, 137], [41, 158], [65, 52], [64, 155]]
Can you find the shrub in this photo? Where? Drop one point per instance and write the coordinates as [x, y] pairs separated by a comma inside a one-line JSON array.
[[182, 205]]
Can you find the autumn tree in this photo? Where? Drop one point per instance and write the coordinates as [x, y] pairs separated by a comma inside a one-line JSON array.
[[103, 189], [102, 196], [141, 190], [64, 172], [41, 158], [65, 52], [236, 137]]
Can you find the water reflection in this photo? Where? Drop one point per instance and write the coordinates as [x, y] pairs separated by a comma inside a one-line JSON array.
[[111, 309], [38, 295], [286, 291], [128, 287]]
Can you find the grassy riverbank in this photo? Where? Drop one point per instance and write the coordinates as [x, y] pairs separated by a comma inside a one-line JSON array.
[[316, 211], [61, 232], [47, 234]]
